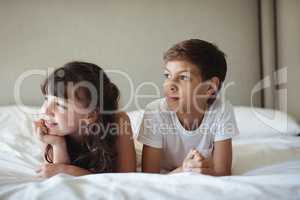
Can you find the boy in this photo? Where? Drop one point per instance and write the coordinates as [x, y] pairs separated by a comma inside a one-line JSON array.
[[191, 128]]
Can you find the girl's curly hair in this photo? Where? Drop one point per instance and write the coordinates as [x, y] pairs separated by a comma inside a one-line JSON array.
[[97, 151]]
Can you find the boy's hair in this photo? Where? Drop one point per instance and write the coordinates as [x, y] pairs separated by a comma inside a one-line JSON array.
[[206, 56]]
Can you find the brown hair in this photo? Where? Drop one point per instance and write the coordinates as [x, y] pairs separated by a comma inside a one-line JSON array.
[[206, 56], [97, 152]]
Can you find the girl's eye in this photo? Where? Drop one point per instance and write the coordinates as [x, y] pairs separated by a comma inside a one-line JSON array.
[[61, 106], [184, 77]]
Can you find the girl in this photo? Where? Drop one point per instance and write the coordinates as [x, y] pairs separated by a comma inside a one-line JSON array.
[[190, 129], [81, 129]]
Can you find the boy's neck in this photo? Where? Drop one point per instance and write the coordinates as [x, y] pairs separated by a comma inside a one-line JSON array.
[[191, 120]]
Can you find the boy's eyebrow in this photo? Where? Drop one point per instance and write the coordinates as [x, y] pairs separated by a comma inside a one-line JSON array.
[[181, 71]]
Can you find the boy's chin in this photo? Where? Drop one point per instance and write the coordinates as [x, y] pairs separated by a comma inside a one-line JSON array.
[[175, 107]]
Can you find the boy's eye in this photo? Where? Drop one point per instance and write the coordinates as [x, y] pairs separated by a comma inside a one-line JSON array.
[[184, 77]]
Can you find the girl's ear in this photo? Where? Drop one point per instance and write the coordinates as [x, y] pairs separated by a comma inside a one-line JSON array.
[[93, 117], [213, 86]]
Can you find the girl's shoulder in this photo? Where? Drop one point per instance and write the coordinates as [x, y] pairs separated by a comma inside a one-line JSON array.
[[122, 117]]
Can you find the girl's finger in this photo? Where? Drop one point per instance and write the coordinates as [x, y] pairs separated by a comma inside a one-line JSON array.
[[38, 170]]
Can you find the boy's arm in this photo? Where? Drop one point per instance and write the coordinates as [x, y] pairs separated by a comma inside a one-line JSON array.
[[222, 158], [177, 170], [151, 159], [218, 165]]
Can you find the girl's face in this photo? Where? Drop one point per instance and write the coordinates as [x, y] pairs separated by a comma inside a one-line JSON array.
[[184, 89], [62, 116]]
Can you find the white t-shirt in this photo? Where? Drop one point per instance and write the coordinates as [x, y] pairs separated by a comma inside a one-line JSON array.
[[161, 128]]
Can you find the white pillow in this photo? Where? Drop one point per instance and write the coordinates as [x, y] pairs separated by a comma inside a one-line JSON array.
[[260, 122], [251, 121]]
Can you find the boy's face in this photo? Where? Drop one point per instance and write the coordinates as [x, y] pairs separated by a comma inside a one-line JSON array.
[[184, 88]]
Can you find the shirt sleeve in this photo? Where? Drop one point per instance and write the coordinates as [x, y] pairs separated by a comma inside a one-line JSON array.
[[149, 133], [226, 126]]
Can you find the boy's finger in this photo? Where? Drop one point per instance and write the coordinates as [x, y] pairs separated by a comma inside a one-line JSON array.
[[194, 164], [207, 171], [196, 169], [199, 156], [190, 155]]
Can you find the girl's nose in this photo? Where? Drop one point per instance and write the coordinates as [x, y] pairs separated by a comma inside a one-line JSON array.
[[48, 108]]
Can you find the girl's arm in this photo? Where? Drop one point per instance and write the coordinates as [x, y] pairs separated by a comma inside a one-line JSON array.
[[126, 161], [60, 153], [48, 170], [151, 159], [222, 158]]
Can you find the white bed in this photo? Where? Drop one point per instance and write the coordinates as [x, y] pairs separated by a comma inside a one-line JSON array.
[[265, 166]]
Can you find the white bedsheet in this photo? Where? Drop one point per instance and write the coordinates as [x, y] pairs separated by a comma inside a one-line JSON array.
[[263, 168]]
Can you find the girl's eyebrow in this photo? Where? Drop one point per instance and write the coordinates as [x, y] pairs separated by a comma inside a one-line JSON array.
[[62, 101]]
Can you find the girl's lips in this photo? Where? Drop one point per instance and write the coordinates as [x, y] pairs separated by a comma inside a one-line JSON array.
[[50, 124]]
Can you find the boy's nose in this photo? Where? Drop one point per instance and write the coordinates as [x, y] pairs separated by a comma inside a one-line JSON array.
[[172, 87]]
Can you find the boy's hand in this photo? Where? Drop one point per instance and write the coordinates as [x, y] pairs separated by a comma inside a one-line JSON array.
[[44, 136], [196, 162]]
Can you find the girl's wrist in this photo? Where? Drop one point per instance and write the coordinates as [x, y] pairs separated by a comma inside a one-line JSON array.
[[60, 143]]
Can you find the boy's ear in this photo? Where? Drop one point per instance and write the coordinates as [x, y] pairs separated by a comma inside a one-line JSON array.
[[214, 85]]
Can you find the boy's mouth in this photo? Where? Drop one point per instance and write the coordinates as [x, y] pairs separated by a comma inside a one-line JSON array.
[[172, 98]]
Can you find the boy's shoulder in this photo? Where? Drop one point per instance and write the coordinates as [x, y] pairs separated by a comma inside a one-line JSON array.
[[220, 109], [158, 111], [158, 105]]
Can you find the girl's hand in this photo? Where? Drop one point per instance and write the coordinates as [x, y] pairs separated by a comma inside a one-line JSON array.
[[196, 162], [44, 136], [48, 170]]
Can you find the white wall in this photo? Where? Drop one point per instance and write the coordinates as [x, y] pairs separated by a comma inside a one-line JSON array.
[[289, 51], [130, 35]]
